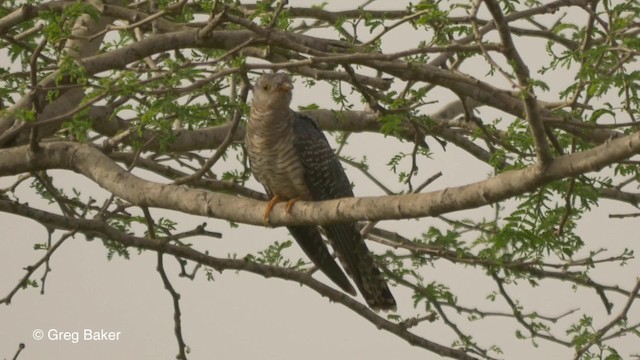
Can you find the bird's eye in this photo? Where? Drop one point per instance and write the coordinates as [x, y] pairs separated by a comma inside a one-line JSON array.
[[265, 87]]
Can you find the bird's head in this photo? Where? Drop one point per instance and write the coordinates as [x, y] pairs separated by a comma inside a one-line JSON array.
[[272, 91]]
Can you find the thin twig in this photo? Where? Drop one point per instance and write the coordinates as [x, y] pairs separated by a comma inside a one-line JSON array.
[[21, 347], [366, 173], [621, 317], [518, 315], [32, 268], [276, 14], [175, 296], [47, 268], [237, 116], [532, 112]]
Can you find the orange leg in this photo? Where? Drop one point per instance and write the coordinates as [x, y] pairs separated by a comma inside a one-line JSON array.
[[267, 211], [290, 205]]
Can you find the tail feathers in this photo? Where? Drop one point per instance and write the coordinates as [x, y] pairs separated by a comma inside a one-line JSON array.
[[310, 240], [360, 265], [376, 292]]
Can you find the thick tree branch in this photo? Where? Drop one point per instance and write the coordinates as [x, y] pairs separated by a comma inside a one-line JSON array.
[[89, 161]]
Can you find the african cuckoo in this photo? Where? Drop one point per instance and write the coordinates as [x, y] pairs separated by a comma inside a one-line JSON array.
[[291, 157]]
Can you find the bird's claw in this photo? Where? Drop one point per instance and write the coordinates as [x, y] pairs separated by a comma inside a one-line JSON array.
[[267, 211], [290, 205], [276, 199]]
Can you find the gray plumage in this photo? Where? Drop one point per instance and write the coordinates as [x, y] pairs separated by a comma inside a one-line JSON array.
[[291, 157]]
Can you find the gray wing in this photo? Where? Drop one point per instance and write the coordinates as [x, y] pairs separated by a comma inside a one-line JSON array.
[[325, 179]]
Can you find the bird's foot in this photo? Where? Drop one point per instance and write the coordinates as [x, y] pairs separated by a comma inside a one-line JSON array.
[[290, 205], [267, 211]]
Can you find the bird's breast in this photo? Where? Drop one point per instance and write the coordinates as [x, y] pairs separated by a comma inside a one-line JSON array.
[[275, 164]]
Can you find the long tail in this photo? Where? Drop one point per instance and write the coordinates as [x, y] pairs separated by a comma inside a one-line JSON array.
[[360, 265], [310, 240]]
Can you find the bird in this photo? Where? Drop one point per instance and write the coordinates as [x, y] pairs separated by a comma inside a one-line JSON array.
[[290, 156]]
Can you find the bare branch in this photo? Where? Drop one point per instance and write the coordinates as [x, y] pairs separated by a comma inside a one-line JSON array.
[[517, 312], [21, 347], [177, 317]]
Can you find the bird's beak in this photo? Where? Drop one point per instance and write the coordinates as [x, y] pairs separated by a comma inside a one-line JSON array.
[[285, 86]]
